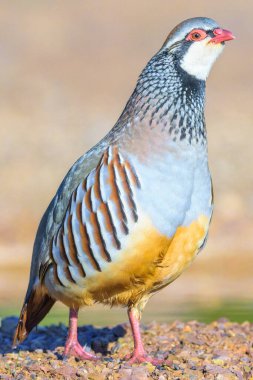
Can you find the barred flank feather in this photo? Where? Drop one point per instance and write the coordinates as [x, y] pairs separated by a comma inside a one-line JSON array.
[[101, 212]]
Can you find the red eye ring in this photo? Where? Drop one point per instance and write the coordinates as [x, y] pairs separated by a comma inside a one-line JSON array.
[[196, 35]]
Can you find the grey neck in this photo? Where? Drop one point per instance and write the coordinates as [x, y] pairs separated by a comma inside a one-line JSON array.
[[173, 99], [168, 99]]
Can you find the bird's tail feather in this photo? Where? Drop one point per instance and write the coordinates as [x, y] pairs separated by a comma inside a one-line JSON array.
[[35, 307]]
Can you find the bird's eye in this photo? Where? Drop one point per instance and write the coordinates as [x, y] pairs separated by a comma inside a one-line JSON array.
[[196, 35]]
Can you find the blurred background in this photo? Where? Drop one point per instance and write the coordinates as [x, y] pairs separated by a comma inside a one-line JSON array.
[[66, 72]]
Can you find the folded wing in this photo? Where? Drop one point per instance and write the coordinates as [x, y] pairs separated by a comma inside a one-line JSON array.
[[100, 215]]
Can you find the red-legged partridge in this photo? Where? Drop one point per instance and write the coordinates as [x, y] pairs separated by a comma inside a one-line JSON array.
[[133, 212]]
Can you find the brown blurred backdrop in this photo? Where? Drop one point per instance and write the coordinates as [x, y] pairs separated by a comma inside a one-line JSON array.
[[66, 71]]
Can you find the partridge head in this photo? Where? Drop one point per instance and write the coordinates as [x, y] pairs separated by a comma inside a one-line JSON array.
[[134, 211], [197, 43]]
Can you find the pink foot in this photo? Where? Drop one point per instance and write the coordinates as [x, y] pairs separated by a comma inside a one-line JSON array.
[[72, 346], [137, 357], [75, 349]]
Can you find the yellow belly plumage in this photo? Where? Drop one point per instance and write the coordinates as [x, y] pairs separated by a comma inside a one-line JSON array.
[[150, 262]]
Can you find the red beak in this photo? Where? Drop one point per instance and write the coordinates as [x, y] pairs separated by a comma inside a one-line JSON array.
[[221, 35]]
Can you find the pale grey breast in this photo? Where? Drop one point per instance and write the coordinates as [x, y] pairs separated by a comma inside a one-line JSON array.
[[176, 185], [202, 195]]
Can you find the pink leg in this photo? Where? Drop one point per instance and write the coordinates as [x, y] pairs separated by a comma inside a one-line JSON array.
[[139, 355], [72, 346]]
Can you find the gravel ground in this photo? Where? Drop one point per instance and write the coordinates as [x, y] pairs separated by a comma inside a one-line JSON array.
[[221, 350]]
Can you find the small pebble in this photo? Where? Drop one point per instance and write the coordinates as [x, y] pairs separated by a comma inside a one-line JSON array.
[[220, 350]]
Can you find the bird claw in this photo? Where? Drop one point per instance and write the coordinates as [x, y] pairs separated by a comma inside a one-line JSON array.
[[76, 350]]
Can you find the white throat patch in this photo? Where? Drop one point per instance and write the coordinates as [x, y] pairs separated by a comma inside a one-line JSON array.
[[200, 57]]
